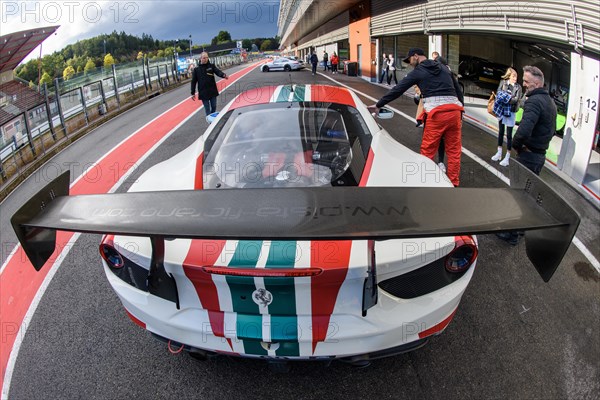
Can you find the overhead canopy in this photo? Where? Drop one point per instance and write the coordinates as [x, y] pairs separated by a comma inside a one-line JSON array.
[[14, 47], [298, 18]]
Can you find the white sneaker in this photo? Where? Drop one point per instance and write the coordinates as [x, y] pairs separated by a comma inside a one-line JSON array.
[[442, 167], [504, 162], [497, 156]]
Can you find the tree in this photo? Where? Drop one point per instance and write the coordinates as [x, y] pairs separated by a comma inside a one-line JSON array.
[[140, 55], [89, 65], [247, 44], [46, 78], [108, 60], [266, 45], [68, 73], [222, 37], [29, 71], [54, 64], [169, 51]]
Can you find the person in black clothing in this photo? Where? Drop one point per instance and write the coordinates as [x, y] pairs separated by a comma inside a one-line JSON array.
[[325, 60], [384, 68], [536, 129], [538, 123], [436, 57], [314, 60], [391, 70], [506, 121], [203, 78]]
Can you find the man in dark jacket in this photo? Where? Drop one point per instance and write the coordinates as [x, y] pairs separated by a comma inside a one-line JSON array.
[[203, 77], [314, 60], [536, 129], [538, 123], [443, 107]]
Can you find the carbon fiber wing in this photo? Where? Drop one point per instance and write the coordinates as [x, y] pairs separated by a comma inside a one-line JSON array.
[[329, 213]]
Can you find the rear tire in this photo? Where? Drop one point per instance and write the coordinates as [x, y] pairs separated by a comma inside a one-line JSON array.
[[287, 68]]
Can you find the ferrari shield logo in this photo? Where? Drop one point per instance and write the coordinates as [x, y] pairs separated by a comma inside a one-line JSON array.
[[262, 297]]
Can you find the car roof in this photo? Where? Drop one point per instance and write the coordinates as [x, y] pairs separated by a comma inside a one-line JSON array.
[[300, 93]]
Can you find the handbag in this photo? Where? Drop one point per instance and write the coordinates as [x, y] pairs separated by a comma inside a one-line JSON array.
[[490, 104]]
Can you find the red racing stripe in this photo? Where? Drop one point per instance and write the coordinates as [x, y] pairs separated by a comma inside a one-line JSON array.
[[333, 257], [199, 176], [367, 170], [261, 95], [439, 327], [206, 253], [19, 282], [135, 320], [331, 94]]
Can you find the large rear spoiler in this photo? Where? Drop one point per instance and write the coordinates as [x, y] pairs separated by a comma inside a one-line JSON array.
[[340, 213]]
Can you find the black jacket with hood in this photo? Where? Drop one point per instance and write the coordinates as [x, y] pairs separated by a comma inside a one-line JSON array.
[[204, 77], [432, 78]]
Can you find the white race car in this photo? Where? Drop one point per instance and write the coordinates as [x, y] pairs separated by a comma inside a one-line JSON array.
[[297, 228], [282, 64]]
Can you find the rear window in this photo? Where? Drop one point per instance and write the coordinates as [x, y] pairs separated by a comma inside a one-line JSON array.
[[286, 145]]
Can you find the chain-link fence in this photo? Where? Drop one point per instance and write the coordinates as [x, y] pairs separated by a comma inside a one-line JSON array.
[[28, 129]]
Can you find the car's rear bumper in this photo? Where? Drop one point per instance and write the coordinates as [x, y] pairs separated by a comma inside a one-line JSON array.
[[393, 325], [358, 360]]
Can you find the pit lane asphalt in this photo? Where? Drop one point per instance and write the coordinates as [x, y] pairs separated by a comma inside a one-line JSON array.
[[513, 335]]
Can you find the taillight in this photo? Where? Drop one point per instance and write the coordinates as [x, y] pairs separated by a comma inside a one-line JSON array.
[[463, 255], [111, 255]]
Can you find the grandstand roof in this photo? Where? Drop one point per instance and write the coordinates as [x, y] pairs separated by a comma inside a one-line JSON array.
[[14, 47]]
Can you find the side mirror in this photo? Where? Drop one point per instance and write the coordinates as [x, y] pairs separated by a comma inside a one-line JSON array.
[[211, 117], [385, 113]]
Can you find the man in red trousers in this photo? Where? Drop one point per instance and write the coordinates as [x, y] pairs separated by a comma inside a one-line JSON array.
[[442, 107]]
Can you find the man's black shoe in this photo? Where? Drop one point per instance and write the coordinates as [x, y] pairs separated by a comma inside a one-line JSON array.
[[511, 238]]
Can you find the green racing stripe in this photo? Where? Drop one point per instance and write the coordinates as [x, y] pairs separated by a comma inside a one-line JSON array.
[[286, 91], [282, 309], [284, 321]]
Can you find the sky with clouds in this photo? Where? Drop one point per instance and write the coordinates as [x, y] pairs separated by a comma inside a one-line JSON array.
[[164, 20]]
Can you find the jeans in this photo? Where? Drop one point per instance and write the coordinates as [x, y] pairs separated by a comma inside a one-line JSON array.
[[392, 74], [383, 75], [314, 68], [533, 161], [509, 130], [210, 105]]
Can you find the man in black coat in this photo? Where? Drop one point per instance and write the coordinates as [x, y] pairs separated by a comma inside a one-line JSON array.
[[203, 77], [536, 129], [538, 123], [314, 60]]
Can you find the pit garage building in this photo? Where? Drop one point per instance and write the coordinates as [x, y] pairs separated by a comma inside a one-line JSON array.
[[480, 39]]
